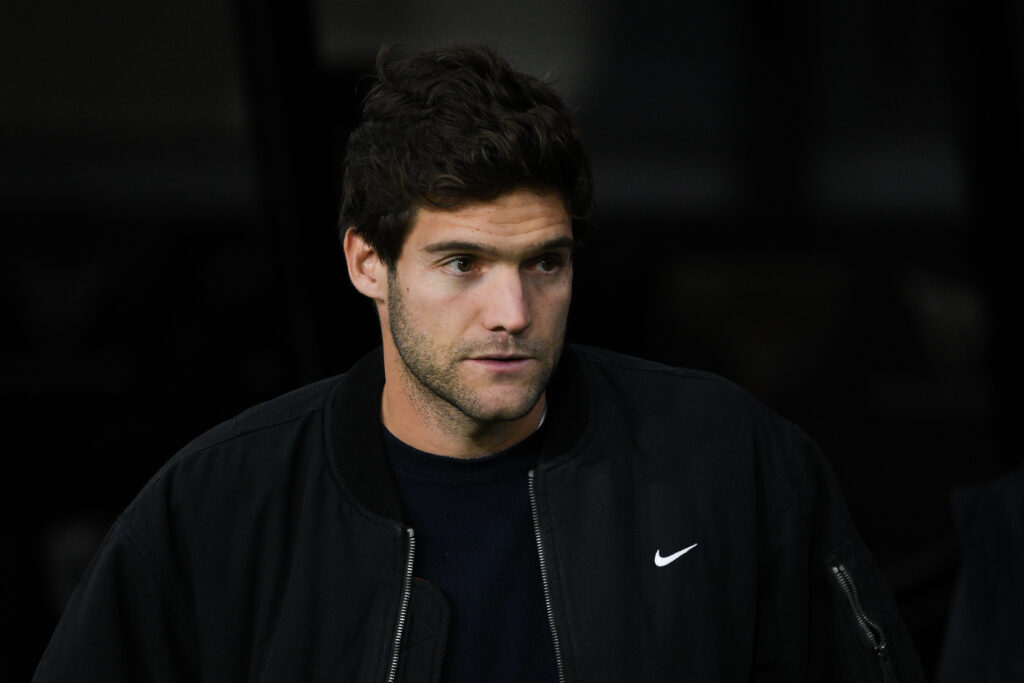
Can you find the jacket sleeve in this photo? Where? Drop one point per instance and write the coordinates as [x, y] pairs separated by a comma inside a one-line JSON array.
[[831, 589], [126, 621]]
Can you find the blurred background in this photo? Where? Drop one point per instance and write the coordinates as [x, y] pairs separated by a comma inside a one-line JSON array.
[[811, 198]]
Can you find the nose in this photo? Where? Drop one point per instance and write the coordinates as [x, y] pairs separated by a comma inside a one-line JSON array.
[[506, 305]]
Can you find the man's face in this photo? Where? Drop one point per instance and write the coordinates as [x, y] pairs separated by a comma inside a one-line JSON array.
[[477, 304]]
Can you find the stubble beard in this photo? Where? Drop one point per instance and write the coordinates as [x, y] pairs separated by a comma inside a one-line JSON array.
[[433, 372]]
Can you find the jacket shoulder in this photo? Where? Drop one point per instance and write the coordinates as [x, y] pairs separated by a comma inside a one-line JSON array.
[[247, 456], [658, 386], [702, 427], [293, 405], [594, 356]]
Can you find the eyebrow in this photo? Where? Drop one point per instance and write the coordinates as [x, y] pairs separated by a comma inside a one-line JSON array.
[[454, 246]]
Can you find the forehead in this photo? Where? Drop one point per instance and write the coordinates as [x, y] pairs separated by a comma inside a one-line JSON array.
[[513, 220]]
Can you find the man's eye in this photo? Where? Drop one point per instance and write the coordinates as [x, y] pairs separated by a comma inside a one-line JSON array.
[[548, 264], [460, 264]]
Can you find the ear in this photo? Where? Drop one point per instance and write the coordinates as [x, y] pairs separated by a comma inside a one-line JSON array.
[[368, 273]]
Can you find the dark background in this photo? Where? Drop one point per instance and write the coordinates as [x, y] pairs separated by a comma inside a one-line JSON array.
[[812, 199]]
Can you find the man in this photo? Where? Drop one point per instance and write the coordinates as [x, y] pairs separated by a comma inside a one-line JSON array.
[[475, 501]]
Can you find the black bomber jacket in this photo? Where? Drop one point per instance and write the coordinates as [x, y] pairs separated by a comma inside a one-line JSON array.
[[272, 548]]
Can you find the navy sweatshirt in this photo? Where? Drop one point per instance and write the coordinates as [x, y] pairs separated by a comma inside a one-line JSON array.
[[475, 541]]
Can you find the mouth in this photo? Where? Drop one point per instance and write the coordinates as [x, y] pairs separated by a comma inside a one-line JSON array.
[[501, 363]]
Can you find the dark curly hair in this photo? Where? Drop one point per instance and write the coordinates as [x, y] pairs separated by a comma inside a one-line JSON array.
[[453, 125]]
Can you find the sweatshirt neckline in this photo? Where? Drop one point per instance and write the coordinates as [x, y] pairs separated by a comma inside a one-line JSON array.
[[408, 461]]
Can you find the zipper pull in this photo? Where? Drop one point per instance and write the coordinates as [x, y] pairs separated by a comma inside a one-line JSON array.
[[888, 674]]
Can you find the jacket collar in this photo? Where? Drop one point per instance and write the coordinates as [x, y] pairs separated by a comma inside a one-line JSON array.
[[357, 441]]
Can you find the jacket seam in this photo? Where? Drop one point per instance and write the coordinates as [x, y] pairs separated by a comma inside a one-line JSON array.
[[246, 431], [184, 456], [659, 370], [796, 488], [169, 588]]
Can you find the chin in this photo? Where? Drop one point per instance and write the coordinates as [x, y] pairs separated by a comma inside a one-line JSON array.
[[501, 411]]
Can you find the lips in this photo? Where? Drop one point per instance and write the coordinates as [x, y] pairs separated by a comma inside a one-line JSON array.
[[501, 363]]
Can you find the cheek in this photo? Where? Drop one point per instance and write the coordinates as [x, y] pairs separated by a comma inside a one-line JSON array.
[[553, 304], [442, 313]]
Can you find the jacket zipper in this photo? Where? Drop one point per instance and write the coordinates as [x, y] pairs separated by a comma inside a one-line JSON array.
[[874, 633], [403, 608], [559, 664]]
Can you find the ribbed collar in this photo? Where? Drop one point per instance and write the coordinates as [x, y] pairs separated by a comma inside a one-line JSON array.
[[357, 439], [407, 461]]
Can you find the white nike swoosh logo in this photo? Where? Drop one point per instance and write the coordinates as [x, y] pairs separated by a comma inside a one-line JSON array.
[[662, 561]]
